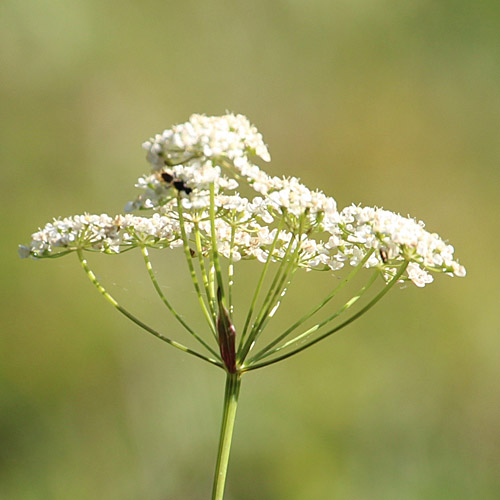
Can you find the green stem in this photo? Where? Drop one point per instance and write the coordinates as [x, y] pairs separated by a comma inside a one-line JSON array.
[[215, 252], [386, 289], [307, 333], [260, 283], [164, 299], [137, 321], [311, 313], [233, 382], [194, 279], [203, 269], [277, 298], [275, 289], [230, 270]]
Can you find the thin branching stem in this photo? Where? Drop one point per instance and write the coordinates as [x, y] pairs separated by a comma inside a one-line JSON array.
[[321, 324], [215, 252], [194, 278], [137, 321], [203, 269], [379, 296], [316, 309], [211, 280], [278, 296], [282, 279], [178, 317], [230, 270], [260, 283], [279, 277]]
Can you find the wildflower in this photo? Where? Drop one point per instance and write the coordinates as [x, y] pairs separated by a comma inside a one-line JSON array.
[[209, 199], [400, 238]]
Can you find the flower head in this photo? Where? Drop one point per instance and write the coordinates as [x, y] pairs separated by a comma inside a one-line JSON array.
[[102, 233], [196, 168], [203, 151], [395, 239]]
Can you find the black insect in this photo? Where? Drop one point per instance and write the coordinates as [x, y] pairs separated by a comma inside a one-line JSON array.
[[384, 256], [178, 184], [168, 178]]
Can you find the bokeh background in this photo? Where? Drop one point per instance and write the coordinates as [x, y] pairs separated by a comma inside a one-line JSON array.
[[380, 102]]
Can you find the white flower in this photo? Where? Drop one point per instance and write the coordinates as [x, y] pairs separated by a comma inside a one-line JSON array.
[[102, 233], [213, 154], [216, 150], [399, 238], [206, 137], [418, 275]]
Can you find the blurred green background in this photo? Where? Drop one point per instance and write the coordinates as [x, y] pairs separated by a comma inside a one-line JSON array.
[[389, 103]]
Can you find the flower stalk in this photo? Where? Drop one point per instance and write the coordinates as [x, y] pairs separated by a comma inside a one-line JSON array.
[[92, 277], [231, 394]]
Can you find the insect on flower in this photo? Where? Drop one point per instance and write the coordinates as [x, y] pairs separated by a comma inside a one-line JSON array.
[[178, 184], [384, 256]]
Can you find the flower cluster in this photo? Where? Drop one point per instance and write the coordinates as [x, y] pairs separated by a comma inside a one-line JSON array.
[[196, 168], [201, 152], [210, 137], [188, 158], [102, 233], [395, 239]]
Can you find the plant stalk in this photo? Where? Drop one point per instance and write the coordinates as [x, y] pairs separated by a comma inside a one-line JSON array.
[[233, 381]]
